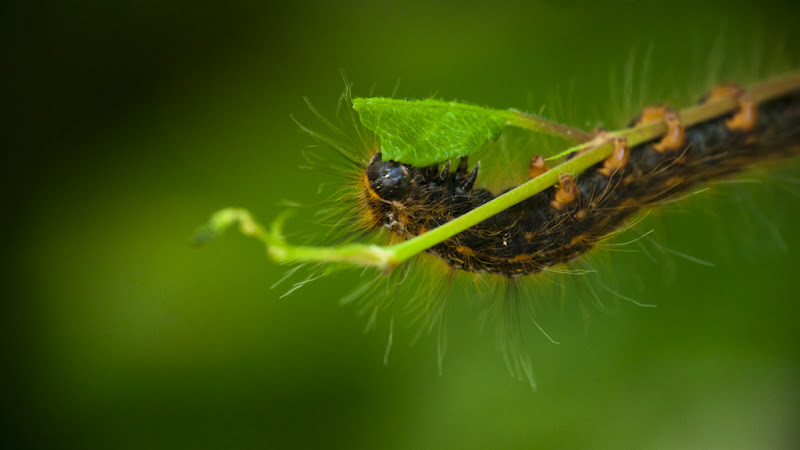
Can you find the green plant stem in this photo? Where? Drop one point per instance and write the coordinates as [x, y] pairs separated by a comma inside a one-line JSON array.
[[520, 119], [591, 152]]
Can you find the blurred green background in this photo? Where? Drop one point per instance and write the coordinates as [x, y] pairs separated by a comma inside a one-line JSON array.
[[128, 123]]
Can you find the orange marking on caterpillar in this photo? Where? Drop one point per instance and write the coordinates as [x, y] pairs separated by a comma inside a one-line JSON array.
[[370, 192], [577, 240], [746, 117], [674, 181], [537, 167], [523, 257], [675, 138], [402, 217], [619, 158], [629, 203], [567, 192], [651, 114], [466, 251]]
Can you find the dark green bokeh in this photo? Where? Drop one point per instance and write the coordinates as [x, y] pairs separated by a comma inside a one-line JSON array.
[[131, 123]]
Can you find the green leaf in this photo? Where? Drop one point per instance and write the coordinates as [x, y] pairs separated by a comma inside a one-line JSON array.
[[426, 132]]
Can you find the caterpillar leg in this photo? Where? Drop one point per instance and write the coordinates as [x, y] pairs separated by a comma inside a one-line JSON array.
[[618, 159], [567, 192], [537, 167], [746, 117], [675, 139]]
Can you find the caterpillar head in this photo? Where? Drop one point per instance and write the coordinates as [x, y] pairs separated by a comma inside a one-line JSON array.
[[390, 180]]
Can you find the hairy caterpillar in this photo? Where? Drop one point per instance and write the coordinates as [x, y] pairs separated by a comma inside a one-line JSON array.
[[560, 223], [542, 230]]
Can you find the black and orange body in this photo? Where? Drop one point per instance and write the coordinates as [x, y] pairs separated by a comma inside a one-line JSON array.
[[563, 222]]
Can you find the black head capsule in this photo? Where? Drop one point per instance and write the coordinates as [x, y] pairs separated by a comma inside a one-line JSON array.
[[389, 179]]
